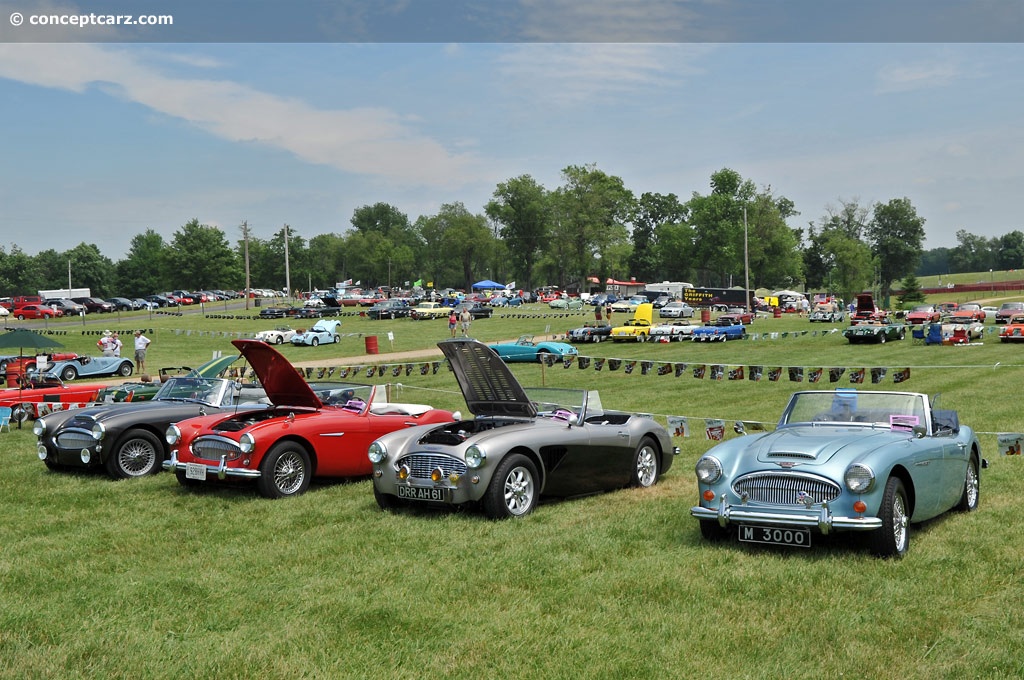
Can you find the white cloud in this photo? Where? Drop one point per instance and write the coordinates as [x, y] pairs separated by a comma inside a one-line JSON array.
[[362, 140], [910, 77], [574, 73]]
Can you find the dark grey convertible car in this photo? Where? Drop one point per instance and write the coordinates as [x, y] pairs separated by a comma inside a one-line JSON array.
[[523, 444], [128, 438]]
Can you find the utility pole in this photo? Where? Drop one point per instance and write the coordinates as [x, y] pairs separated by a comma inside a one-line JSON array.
[[287, 269], [746, 261], [245, 239]]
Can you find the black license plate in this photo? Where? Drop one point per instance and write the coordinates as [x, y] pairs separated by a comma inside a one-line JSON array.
[[799, 538], [423, 493]]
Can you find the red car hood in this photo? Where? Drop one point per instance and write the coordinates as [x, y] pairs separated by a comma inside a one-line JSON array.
[[281, 380]]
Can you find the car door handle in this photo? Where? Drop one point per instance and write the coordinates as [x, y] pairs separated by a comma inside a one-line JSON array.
[[623, 435]]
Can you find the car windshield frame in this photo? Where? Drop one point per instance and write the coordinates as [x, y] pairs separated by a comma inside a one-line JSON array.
[[211, 391], [569, 405], [898, 411]]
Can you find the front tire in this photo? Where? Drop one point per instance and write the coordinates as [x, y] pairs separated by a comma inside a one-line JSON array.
[[285, 471], [514, 489], [881, 338], [712, 531], [314, 342], [278, 340], [972, 488], [645, 464], [125, 369], [892, 539], [137, 454]]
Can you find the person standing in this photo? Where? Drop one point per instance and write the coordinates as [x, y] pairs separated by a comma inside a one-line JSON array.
[[608, 314], [141, 345], [466, 318], [597, 313], [453, 321], [106, 344], [115, 342]]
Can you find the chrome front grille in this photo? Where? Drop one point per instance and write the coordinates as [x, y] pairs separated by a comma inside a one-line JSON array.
[[421, 464], [785, 488], [212, 448], [75, 440]]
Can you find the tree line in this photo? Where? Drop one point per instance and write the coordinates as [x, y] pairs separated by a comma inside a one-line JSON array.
[[590, 226]]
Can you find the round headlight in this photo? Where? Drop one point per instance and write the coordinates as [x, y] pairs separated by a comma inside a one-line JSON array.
[[247, 442], [859, 478], [173, 435], [39, 428], [475, 456], [709, 470], [377, 452], [98, 431]]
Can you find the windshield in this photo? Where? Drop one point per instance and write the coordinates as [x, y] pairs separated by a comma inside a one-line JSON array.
[[212, 391], [353, 397], [571, 406], [896, 410]]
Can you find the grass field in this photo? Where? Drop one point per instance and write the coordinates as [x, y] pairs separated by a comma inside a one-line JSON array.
[[144, 579]]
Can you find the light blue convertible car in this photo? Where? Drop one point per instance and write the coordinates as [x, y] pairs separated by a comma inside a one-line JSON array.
[[526, 349], [844, 460], [88, 367], [323, 331]]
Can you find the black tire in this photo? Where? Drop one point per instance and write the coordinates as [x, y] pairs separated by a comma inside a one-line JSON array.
[[68, 373], [279, 339], [972, 488], [285, 471], [903, 334], [514, 489], [386, 501], [881, 338], [21, 317], [542, 356], [314, 342], [137, 453], [125, 369], [892, 539], [712, 531], [336, 339], [646, 464]]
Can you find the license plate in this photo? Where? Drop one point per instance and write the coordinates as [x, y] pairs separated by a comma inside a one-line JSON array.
[[195, 471], [799, 538], [423, 493]]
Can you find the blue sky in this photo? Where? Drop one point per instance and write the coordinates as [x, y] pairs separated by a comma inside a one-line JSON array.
[[103, 140]]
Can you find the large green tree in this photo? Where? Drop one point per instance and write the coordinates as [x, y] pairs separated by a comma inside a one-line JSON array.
[[1010, 250], [91, 269], [652, 211], [717, 221], [896, 235], [521, 208], [972, 253], [590, 210], [459, 245], [201, 257], [141, 272]]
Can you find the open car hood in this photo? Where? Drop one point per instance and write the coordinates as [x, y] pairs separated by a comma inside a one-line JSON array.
[[280, 379], [487, 383]]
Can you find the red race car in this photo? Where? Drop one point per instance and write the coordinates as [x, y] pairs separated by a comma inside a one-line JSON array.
[[311, 430], [44, 394]]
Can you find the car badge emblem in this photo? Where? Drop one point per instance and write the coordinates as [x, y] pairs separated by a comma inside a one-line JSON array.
[[787, 464], [804, 498]]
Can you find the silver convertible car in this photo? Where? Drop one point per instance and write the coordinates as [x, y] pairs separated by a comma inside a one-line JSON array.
[[843, 460], [523, 444]]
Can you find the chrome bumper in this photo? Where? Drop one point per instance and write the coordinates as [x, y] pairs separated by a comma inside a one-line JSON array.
[[219, 469], [819, 516]]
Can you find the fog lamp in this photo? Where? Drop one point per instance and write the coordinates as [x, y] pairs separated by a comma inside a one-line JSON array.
[[403, 472], [85, 455], [436, 475]]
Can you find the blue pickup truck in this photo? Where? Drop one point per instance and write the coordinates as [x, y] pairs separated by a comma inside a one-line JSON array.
[[725, 327]]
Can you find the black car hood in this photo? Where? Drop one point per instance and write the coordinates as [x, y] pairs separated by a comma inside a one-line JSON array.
[[487, 383]]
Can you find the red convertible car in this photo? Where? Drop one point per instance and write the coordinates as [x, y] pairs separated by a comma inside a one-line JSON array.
[[44, 394], [321, 430], [923, 314]]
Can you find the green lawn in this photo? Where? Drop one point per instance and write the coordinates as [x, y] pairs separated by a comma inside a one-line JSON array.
[[143, 579]]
